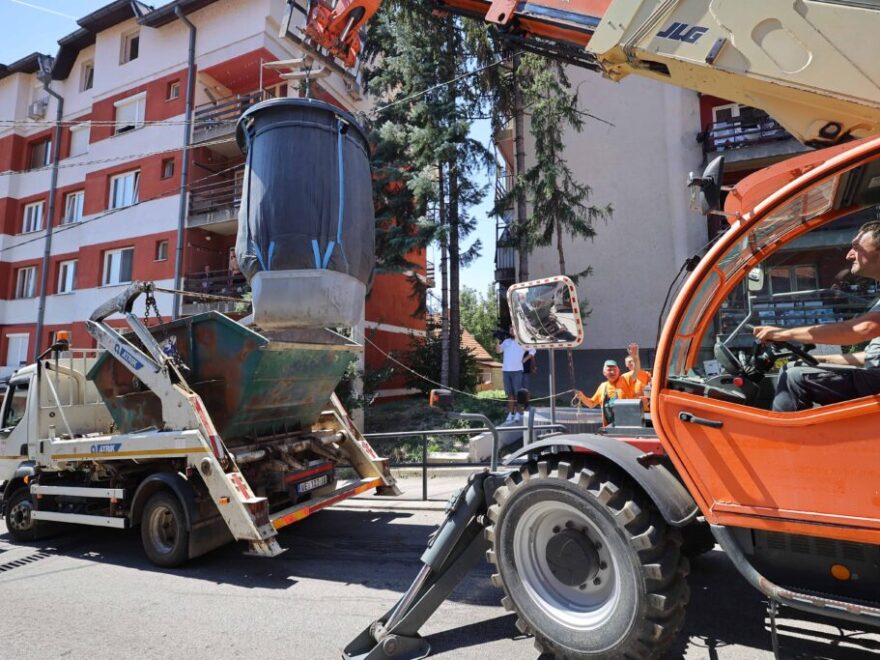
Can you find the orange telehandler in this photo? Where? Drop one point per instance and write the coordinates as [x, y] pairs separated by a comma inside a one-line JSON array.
[[585, 530]]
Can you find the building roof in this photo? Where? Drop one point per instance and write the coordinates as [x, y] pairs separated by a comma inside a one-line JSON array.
[[28, 64], [111, 14], [469, 342]]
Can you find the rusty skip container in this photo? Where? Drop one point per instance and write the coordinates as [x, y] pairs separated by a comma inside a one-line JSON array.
[[251, 386]]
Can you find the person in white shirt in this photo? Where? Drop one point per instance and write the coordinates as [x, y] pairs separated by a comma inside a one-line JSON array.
[[512, 369]]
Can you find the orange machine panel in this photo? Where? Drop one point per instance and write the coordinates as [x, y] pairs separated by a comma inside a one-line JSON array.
[[818, 466]]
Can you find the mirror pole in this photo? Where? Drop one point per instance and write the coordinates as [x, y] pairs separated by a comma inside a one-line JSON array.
[[552, 386]]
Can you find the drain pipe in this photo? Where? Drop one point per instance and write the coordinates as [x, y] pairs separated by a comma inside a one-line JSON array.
[[45, 77], [184, 167]]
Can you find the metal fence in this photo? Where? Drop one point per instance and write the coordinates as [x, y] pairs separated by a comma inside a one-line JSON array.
[[424, 436]]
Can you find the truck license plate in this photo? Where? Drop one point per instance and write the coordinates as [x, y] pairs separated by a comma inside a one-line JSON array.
[[311, 484]]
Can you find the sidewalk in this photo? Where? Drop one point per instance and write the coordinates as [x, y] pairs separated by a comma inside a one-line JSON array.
[[441, 485]]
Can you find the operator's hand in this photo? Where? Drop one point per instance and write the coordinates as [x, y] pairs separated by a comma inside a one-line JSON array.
[[633, 350], [767, 333]]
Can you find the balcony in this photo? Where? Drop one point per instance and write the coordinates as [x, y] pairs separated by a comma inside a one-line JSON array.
[[748, 142], [505, 252], [226, 283], [216, 120], [214, 206]]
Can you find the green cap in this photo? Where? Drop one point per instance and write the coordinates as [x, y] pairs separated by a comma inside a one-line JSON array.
[[611, 363]]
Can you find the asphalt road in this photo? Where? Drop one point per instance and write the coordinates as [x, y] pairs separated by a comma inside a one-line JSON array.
[[91, 594]]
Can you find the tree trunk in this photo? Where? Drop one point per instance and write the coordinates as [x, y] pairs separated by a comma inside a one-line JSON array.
[[560, 253], [444, 279], [520, 157], [454, 287]]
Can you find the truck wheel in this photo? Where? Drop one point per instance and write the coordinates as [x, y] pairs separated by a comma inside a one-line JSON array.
[[19, 522], [163, 530], [586, 562]]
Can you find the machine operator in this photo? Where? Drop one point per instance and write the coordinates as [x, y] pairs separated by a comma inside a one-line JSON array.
[[801, 387]]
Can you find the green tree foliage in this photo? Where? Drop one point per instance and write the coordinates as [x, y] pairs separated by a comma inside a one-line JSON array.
[[479, 316], [424, 359], [423, 144], [559, 204]]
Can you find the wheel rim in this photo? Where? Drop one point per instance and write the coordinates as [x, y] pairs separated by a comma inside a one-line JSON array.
[[565, 566], [20, 518], [162, 529]]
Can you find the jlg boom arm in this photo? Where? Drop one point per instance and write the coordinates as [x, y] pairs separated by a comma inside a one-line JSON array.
[[815, 66]]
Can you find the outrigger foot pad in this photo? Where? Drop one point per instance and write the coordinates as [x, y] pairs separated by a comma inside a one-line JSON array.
[[389, 647]]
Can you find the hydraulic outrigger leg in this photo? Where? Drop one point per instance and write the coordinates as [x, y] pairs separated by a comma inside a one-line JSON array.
[[453, 550]]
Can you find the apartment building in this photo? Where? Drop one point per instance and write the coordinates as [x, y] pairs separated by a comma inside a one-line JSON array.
[[117, 214]]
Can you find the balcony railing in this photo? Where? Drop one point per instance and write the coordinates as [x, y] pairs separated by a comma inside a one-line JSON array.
[[214, 202], [213, 120], [226, 283], [503, 183], [742, 132]]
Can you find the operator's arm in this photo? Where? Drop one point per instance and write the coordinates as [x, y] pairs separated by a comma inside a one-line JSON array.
[[851, 359], [861, 328], [499, 346]]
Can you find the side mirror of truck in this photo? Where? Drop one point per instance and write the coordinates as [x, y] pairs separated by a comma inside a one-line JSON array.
[[706, 189]]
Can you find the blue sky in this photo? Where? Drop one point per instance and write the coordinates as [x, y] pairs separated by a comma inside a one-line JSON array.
[[36, 25]]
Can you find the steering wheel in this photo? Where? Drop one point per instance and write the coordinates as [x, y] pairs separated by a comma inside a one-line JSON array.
[[728, 360]]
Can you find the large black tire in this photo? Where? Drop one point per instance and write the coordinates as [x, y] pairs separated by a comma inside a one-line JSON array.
[[21, 525], [164, 533], [586, 561]]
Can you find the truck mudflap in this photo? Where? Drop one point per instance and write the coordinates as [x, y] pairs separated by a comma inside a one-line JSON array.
[[671, 497]]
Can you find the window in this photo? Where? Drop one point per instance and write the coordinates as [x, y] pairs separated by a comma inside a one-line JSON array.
[[87, 76], [124, 189], [79, 139], [173, 91], [26, 282], [167, 168], [73, 207], [32, 218], [40, 154], [67, 276], [16, 398], [117, 266], [161, 250], [130, 112], [790, 279], [130, 45], [16, 350]]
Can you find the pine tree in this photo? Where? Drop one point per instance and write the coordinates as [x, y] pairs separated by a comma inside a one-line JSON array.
[[428, 134]]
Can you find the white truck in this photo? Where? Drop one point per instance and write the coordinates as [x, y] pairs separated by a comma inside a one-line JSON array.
[[200, 431]]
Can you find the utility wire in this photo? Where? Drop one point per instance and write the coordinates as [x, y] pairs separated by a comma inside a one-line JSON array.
[[113, 122], [111, 159], [434, 382], [466, 74]]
